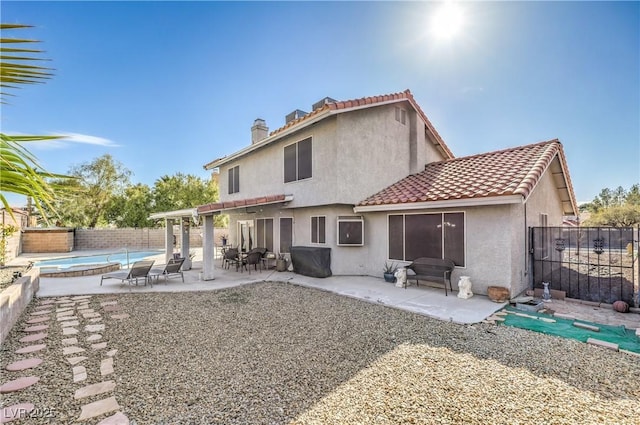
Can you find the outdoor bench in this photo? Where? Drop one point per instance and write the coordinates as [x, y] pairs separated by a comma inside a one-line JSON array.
[[430, 269]]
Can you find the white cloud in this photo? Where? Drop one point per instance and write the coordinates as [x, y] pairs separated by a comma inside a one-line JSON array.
[[87, 139], [69, 138]]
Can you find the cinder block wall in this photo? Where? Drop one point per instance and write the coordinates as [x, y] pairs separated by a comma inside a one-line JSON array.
[[47, 240], [135, 238], [65, 240], [119, 238]]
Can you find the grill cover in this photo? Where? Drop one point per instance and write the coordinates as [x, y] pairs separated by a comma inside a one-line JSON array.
[[311, 261]]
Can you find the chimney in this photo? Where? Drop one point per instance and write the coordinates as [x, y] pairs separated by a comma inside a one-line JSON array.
[[319, 104], [294, 116], [259, 130]]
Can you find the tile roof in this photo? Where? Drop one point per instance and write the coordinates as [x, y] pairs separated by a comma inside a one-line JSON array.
[[330, 108], [368, 102], [262, 200], [513, 171]]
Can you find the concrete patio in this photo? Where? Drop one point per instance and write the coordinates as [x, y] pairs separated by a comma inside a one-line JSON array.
[[423, 300]]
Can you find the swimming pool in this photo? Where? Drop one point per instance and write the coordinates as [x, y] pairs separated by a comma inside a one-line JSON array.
[[117, 257]]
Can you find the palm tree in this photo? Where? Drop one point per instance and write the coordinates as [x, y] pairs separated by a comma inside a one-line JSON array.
[[20, 172]]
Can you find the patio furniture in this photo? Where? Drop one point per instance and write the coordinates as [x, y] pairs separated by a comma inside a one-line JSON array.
[[311, 261], [253, 258], [171, 269], [432, 268], [268, 260], [231, 257], [139, 270]]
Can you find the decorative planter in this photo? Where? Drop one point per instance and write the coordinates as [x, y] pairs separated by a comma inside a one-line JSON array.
[[389, 277], [498, 294]]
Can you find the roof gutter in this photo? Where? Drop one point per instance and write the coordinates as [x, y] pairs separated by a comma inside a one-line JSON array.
[[455, 203]]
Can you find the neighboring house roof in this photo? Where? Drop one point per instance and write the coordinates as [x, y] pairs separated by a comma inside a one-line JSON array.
[[333, 108], [505, 176], [242, 203]]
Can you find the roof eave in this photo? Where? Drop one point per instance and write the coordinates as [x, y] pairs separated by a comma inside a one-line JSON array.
[[450, 203], [186, 212], [270, 139], [203, 211]]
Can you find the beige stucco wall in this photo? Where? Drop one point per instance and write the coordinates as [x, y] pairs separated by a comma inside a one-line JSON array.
[[489, 249], [355, 155], [344, 260]]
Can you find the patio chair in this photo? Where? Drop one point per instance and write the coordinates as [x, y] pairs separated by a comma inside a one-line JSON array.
[[231, 257], [139, 270], [173, 268], [253, 258]]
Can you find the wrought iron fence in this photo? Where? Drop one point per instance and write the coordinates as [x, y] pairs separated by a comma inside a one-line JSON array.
[[597, 264]]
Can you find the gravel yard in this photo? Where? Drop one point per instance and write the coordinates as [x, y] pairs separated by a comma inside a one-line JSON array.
[[280, 353]]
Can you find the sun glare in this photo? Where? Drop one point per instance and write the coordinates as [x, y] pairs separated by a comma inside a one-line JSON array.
[[447, 21]]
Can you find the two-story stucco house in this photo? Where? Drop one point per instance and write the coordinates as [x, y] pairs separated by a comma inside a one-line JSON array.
[[372, 180]]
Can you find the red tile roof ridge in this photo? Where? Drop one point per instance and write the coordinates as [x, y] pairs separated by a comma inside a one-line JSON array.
[[344, 104], [500, 151], [506, 172], [371, 100]]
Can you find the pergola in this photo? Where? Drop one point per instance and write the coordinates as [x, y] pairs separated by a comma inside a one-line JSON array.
[[184, 218]]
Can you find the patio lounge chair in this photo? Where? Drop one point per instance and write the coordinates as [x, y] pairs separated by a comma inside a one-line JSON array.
[[172, 268], [139, 270]]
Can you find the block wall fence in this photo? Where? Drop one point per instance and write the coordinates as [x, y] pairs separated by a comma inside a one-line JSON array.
[[88, 239]]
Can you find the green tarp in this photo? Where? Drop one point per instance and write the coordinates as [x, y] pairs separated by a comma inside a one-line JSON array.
[[625, 338]]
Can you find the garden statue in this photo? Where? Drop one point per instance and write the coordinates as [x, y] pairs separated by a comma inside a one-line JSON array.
[[546, 295], [464, 287], [401, 277]]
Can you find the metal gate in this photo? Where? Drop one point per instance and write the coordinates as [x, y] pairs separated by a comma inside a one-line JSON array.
[[597, 264]]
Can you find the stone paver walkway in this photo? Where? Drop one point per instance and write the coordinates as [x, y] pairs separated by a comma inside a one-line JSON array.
[[72, 316]]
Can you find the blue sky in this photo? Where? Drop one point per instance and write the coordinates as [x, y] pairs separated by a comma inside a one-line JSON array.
[[166, 87]]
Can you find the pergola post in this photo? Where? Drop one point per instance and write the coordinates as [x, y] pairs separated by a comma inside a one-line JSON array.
[[168, 239], [184, 242], [208, 248]]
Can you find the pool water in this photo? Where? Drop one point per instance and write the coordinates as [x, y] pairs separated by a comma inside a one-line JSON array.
[[119, 257]]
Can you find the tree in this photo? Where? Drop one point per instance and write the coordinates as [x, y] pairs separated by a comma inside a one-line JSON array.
[[633, 195], [131, 209], [20, 172], [617, 208], [182, 191], [85, 201], [616, 216]]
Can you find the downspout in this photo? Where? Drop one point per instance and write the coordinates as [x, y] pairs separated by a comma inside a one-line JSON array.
[[526, 248]]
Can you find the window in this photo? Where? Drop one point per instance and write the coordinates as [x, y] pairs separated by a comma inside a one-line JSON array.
[[286, 234], [264, 233], [234, 179], [545, 234], [350, 231], [401, 115], [297, 161], [427, 235], [318, 227], [246, 231]]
